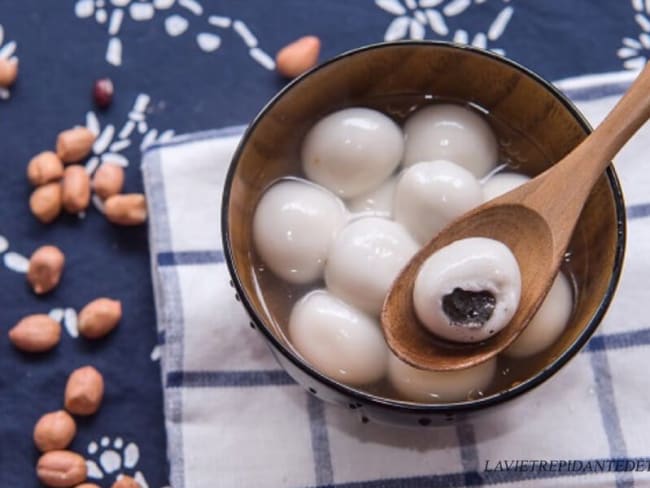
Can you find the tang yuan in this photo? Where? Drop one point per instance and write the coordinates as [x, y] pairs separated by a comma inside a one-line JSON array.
[[294, 225], [548, 323], [430, 195], [437, 387], [501, 183], [352, 151], [468, 291], [365, 258], [377, 202], [451, 132], [339, 340]]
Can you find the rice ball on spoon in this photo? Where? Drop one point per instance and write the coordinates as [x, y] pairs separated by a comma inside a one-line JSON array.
[[468, 290]]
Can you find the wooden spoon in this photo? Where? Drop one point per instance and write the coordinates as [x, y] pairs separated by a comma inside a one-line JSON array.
[[535, 221]]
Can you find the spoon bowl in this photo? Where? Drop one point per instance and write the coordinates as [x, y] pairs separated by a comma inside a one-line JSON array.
[[535, 221], [412, 343]]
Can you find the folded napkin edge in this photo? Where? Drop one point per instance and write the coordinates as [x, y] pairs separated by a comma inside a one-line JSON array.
[[192, 137]]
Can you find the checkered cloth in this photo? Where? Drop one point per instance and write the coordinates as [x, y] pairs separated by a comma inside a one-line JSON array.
[[234, 419]]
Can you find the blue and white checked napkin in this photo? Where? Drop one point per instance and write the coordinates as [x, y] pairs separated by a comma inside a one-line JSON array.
[[235, 420]]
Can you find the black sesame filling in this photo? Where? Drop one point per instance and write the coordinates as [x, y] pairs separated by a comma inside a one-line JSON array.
[[469, 308]]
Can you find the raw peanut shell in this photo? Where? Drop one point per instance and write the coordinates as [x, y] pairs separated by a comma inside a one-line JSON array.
[[45, 268], [35, 333], [126, 482], [298, 57], [46, 202], [61, 469], [8, 72], [44, 168], [54, 431], [76, 189], [84, 391], [128, 209], [108, 180], [73, 145], [99, 317]]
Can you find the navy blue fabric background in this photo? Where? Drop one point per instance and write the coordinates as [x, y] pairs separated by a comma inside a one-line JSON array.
[[60, 56]]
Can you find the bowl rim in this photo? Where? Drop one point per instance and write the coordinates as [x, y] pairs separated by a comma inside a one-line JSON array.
[[368, 399]]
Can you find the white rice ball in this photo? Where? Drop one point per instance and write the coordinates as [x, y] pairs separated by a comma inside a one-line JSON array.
[[365, 258], [352, 151], [549, 321], [451, 132], [337, 339], [294, 225], [430, 195], [469, 290], [502, 183], [377, 202], [439, 387]]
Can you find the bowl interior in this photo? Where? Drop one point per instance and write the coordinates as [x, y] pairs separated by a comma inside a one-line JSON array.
[[535, 127]]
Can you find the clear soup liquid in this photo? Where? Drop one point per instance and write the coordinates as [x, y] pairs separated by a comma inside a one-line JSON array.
[[517, 153]]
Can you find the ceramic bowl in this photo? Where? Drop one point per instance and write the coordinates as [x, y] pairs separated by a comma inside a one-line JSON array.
[[536, 126]]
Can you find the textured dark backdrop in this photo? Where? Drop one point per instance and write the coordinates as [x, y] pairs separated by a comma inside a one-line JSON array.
[[60, 56]]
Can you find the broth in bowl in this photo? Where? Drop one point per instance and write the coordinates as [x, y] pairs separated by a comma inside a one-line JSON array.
[[533, 126], [371, 188]]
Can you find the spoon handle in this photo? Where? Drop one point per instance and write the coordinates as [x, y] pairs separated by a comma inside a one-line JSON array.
[[630, 113], [560, 193]]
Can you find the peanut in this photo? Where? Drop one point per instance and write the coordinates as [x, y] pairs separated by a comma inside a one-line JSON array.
[[73, 145], [61, 469], [76, 189], [54, 431], [108, 180], [84, 391], [35, 333], [46, 201], [45, 268], [129, 209], [126, 482], [8, 72], [99, 317], [44, 168], [298, 57], [88, 485]]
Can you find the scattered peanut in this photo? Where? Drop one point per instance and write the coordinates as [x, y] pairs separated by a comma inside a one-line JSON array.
[[87, 485], [8, 72], [46, 201], [73, 145], [35, 333], [84, 391], [44, 168], [128, 209], [298, 57], [76, 189], [99, 317], [61, 469], [45, 268], [126, 482], [54, 431], [108, 180]]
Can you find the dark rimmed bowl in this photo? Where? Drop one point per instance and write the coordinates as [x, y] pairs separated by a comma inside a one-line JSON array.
[[541, 126]]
